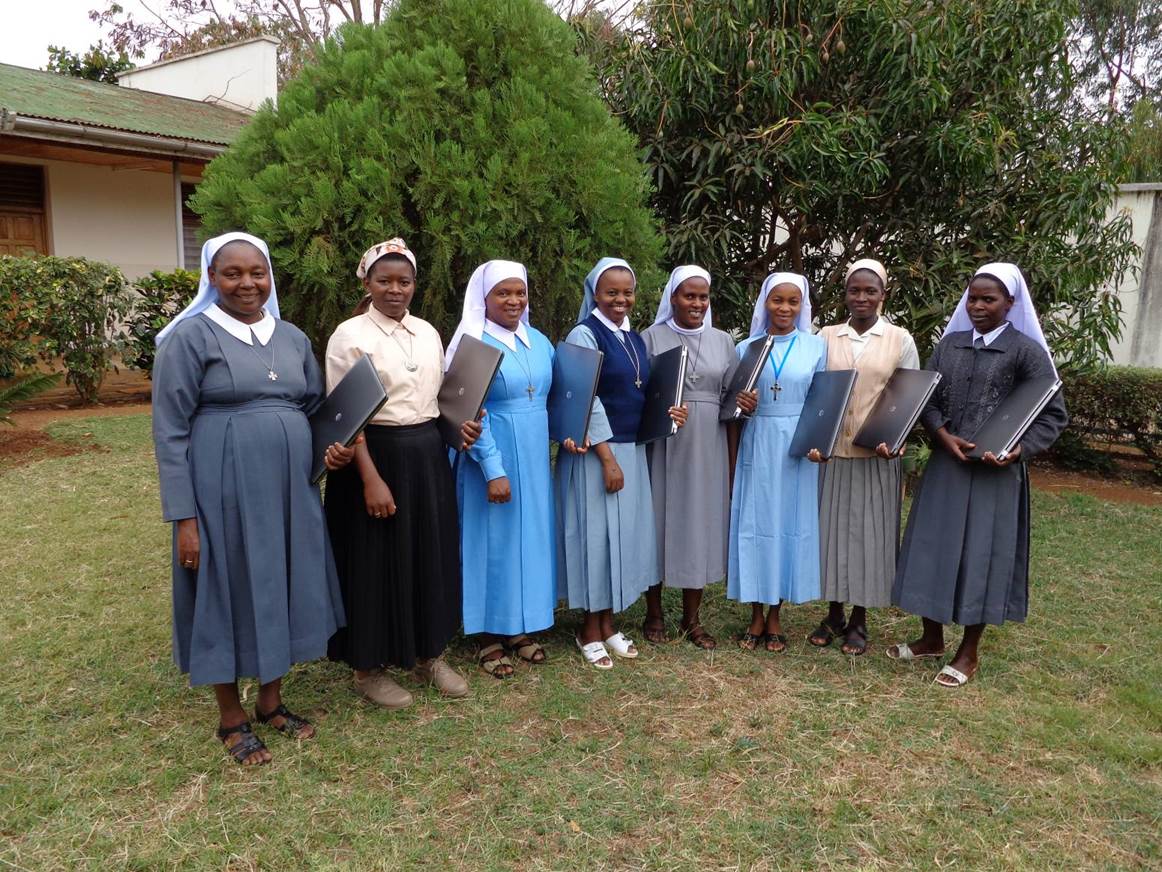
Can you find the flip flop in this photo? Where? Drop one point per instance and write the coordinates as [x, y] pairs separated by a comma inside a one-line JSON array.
[[621, 645], [594, 653]]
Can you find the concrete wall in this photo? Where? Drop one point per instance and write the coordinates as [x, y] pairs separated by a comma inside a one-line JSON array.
[[240, 76], [1141, 296]]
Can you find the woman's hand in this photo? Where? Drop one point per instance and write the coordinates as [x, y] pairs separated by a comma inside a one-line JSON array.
[[614, 479], [189, 545], [886, 453], [337, 456], [679, 414], [1012, 457], [499, 490], [571, 446], [748, 401], [954, 445], [816, 456], [470, 431], [378, 499]]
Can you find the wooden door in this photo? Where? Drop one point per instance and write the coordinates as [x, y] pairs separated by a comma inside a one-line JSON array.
[[22, 233]]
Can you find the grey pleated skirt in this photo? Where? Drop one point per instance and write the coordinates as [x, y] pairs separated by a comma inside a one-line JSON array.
[[859, 529]]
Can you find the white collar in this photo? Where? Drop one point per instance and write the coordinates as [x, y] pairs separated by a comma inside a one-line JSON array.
[[387, 324], [876, 329], [990, 336], [685, 331], [508, 337], [263, 329], [623, 327]]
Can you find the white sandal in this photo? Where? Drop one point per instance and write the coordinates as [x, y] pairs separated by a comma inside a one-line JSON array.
[[622, 646], [905, 652], [959, 679], [594, 653]]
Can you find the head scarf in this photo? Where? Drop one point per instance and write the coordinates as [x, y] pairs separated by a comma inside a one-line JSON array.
[[665, 307], [591, 280], [872, 266], [1022, 316], [395, 245], [208, 294], [484, 278], [758, 321]]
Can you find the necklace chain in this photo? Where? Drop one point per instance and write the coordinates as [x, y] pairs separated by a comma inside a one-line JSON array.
[[409, 352], [631, 353], [695, 353], [528, 370], [269, 367]]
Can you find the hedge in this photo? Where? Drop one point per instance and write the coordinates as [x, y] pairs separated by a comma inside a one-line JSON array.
[[1116, 404], [160, 296]]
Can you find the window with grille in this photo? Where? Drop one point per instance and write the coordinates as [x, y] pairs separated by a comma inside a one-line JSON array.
[[191, 231]]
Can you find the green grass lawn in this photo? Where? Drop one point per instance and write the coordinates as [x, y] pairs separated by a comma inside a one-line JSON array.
[[1050, 758]]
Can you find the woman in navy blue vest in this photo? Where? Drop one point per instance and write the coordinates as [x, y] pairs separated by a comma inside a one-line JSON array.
[[606, 554]]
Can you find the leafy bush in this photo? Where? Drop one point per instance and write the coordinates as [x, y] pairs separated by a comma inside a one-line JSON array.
[[1116, 404], [473, 130], [62, 307], [160, 296], [24, 388]]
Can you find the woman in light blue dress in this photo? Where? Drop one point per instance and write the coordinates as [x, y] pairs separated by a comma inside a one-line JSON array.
[[503, 483], [607, 550], [774, 511]]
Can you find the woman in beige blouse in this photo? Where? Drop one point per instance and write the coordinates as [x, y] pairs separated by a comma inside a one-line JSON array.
[[392, 514], [860, 490]]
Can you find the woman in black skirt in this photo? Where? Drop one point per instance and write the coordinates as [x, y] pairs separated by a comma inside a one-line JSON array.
[[392, 513]]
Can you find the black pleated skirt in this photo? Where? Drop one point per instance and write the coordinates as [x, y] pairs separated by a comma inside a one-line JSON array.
[[400, 576]]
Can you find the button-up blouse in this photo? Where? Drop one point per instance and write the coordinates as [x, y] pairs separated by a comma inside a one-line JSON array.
[[391, 344]]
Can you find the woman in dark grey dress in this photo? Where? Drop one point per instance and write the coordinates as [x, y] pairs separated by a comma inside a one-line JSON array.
[[965, 557], [254, 584], [689, 472]]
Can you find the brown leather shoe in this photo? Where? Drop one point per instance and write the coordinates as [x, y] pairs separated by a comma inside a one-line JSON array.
[[381, 690], [444, 677]]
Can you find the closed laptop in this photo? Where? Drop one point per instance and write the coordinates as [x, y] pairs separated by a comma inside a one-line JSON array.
[[663, 390], [746, 376], [576, 370], [345, 411], [465, 385], [823, 412], [897, 409], [1003, 429]]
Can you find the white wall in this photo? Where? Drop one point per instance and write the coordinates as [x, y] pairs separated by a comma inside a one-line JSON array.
[[123, 217], [239, 76], [1141, 295]]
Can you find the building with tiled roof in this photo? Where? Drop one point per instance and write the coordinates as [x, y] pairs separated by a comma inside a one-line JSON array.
[[104, 171]]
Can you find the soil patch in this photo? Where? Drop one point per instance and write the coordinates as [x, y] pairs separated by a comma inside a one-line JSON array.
[[20, 446], [37, 419], [1061, 481]]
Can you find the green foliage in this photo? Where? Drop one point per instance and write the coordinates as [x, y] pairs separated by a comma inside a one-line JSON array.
[[1114, 404], [97, 64], [62, 307], [1145, 164], [933, 136], [24, 388], [160, 296], [1116, 48], [470, 129]]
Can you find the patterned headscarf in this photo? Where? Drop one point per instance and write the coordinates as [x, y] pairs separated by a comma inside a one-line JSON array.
[[394, 245]]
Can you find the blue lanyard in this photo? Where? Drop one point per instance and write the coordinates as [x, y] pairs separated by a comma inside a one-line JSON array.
[[783, 362]]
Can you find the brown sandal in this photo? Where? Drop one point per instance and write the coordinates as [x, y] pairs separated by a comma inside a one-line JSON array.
[[698, 637], [526, 649], [655, 630], [498, 667]]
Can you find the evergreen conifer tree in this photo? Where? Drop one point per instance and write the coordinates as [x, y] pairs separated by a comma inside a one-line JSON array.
[[473, 130]]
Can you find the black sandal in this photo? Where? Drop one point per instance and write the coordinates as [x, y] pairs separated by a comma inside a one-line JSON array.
[[699, 637], [291, 724], [824, 634], [246, 746], [778, 639], [748, 641], [855, 637]]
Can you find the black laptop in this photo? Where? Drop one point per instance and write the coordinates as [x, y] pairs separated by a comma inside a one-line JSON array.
[[345, 411], [746, 376], [823, 412], [663, 390], [465, 385], [1015, 414], [897, 409], [576, 370]]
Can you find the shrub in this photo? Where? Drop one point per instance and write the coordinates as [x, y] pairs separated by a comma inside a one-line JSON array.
[[473, 130], [1114, 404], [62, 307], [160, 296]]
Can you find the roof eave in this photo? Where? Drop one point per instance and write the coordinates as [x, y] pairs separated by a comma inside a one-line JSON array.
[[81, 134]]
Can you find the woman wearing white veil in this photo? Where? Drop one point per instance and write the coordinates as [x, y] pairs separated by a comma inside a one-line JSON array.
[[965, 555]]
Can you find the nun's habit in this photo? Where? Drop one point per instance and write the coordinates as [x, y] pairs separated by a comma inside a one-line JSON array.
[[965, 555], [690, 471], [607, 553], [774, 510], [230, 406], [508, 550]]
